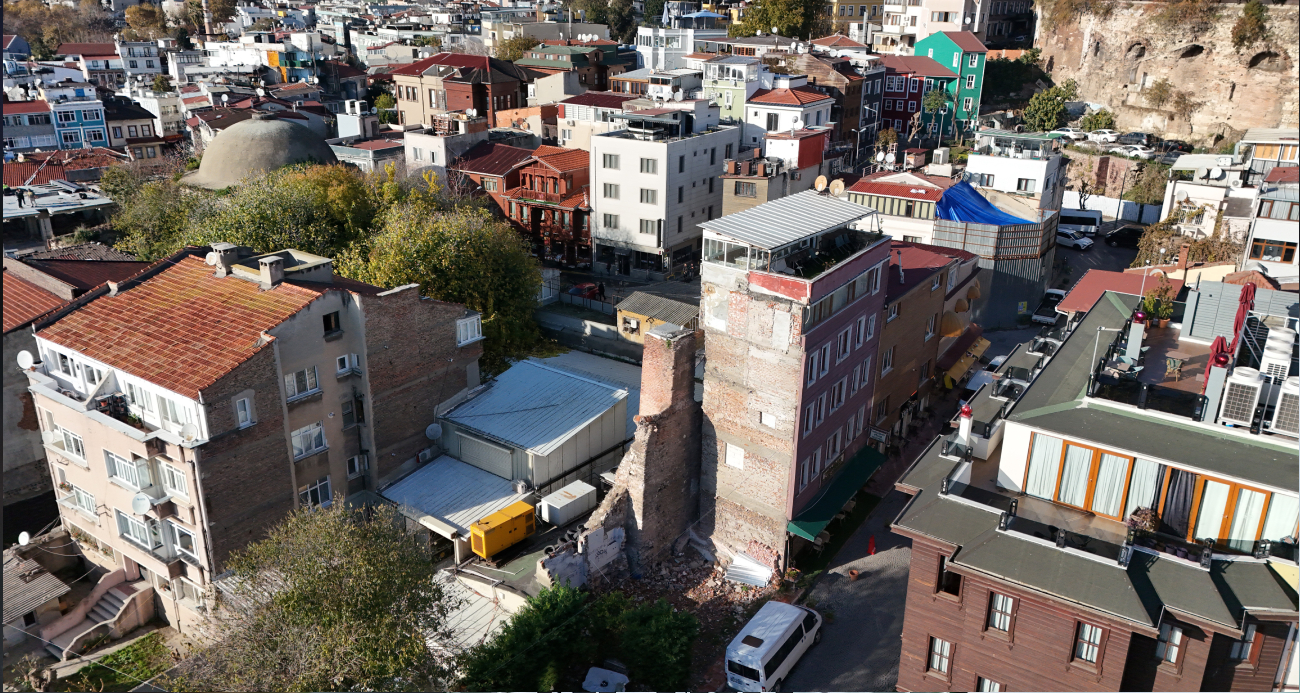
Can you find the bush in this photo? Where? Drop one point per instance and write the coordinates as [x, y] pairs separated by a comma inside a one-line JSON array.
[[1159, 93], [1251, 26], [1191, 16], [1101, 120]]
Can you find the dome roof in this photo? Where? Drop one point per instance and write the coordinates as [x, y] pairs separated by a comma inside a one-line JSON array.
[[261, 143]]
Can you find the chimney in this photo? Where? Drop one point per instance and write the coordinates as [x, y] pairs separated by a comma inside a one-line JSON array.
[[272, 271], [902, 279], [224, 255], [762, 169], [1182, 255], [964, 425]]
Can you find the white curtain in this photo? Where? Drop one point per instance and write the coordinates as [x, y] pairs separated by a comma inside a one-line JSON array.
[[1074, 479], [1281, 520], [1044, 463], [1144, 487], [1245, 519], [1209, 518], [1109, 493]]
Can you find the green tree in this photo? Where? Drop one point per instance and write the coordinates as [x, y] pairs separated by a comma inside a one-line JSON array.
[[887, 137], [385, 103], [333, 599], [513, 48], [262, 24], [1159, 93], [162, 83], [429, 41], [802, 19], [1149, 187], [462, 256], [1101, 120], [153, 215], [621, 19], [655, 643], [1251, 26], [654, 11], [146, 21], [1046, 110]]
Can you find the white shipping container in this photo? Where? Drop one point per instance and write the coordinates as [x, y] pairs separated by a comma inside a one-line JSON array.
[[567, 504]]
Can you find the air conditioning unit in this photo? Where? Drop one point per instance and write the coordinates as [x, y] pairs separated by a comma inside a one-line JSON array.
[[426, 455], [1275, 365], [1286, 415], [1240, 396], [941, 155]]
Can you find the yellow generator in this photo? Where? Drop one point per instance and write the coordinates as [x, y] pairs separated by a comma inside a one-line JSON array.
[[502, 529]]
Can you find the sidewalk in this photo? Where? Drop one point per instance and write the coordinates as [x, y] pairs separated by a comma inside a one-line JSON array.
[[944, 404]]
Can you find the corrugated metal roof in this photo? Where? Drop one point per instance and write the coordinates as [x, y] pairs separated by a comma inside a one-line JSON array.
[[623, 374], [472, 620], [23, 597], [536, 407], [788, 219], [1270, 134], [660, 308], [455, 492]]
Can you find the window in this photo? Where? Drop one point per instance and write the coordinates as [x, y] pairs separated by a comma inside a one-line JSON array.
[[490, 184], [609, 161], [71, 137], [744, 189], [809, 418], [892, 313], [72, 444], [611, 221], [611, 191], [243, 412], [117, 132], [735, 456], [914, 86], [810, 468], [837, 393], [145, 535], [940, 655], [844, 345], [814, 369], [649, 196], [83, 501], [1279, 209], [882, 410], [681, 164], [317, 494], [871, 327], [929, 326], [173, 479], [1168, 643], [866, 372], [132, 131], [357, 466], [331, 322], [649, 226], [987, 686], [1242, 650], [779, 657], [468, 330], [308, 440], [1025, 185], [934, 282], [911, 106], [681, 193], [825, 359], [187, 592], [833, 446], [887, 361], [1000, 606], [649, 165], [67, 116], [94, 135], [1087, 643], [300, 383], [1272, 251], [967, 103], [821, 408], [134, 472], [353, 413], [182, 539], [948, 582]]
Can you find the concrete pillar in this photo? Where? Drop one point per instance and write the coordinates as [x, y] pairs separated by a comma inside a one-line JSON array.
[[461, 549]]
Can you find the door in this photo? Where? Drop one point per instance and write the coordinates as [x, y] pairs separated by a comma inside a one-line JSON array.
[[1177, 511]]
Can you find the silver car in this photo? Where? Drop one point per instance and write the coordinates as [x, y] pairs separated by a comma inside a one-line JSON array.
[[1104, 136]]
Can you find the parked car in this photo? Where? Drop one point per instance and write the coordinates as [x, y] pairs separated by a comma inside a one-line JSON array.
[[1136, 138], [1135, 150], [1127, 236], [1104, 136], [1176, 146], [1046, 312], [586, 290], [1073, 239], [1073, 133], [767, 648]]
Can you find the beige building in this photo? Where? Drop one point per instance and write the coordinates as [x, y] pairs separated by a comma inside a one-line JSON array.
[[189, 408]]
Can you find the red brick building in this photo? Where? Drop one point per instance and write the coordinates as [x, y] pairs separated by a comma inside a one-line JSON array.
[[551, 205], [457, 82]]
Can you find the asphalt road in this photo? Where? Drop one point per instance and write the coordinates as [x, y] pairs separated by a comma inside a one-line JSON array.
[[862, 637], [1099, 256]]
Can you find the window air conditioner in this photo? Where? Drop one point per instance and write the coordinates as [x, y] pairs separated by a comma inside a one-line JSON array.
[[1240, 397], [1286, 415]]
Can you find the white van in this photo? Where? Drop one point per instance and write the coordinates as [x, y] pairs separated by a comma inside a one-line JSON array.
[[768, 647], [1085, 221]]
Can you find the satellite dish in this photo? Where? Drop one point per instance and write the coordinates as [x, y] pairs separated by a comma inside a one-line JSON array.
[[141, 503], [880, 156], [677, 96], [1202, 173], [434, 431], [967, 20], [24, 538], [774, 30], [1181, 196], [189, 432], [211, 259], [225, 98], [837, 188], [889, 158], [820, 183], [25, 359], [1216, 173], [374, 110]]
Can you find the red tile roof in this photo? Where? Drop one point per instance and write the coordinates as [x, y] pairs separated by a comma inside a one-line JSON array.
[[917, 64], [191, 89], [491, 159], [838, 41], [701, 56], [966, 41], [1283, 174], [192, 100], [564, 159], [19, 107], [942, 181], [183, 328], [903, 190], [1096, 282], [796, 96], [60, 162], [9, 39], [600, 99], [87, 49], [1251, 277], [918, 264], [24, 301], [87, 274], [575, 200], [375, 145]]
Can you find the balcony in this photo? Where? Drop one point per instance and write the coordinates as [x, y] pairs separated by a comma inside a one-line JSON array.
[[1166, 375]]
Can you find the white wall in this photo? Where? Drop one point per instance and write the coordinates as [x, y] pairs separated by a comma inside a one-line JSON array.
[[1110, 208], [1006, 172], [1015, 456]]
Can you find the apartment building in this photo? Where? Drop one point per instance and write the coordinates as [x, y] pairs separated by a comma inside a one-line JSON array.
[[1271, 243], [78, 114], [457, 82], [594, 65], [837, 78], [28, 125], [905, 201], [907, 79], [916, 285], [666, 48], [753, 181], [730, 80], [551, 206], [450, 136], [1027, 165], [140, 59], [965, 56], [654, 183], [1090, 527], [589, 114], [187, 409], [791, 104], [99, 62], [792, 294], [165, 107]]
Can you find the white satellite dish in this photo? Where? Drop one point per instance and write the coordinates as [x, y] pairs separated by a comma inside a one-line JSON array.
[[434, 431], [774, 30], [189, 432], [677, 96], [24, 538], [889, 158], [967, 20], [837, 188], [1202, 173], [471, 112], [820, 183], [880, 156], [1216, 173], [141, 504], [211, 258], [1182, 196], [373, 110], [25, 359]]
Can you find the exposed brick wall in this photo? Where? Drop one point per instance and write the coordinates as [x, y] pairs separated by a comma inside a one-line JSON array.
[[245, 474], [412, 365]]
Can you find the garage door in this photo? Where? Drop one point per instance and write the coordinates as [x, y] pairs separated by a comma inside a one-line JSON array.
[[486, 456]]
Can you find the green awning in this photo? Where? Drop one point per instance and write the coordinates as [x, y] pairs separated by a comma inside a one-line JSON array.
[[820, 512]]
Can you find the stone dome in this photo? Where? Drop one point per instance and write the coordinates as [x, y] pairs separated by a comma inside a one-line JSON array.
[[261, 143]]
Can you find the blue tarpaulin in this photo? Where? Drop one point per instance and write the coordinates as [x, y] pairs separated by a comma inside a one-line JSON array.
[[962, 202]]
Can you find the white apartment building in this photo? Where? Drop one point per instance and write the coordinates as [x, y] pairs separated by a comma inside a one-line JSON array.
[[666, 49], [790, 105], [653, 184], [165, 107], [140, 59], [1271, 246], [582, 116], [1023, 164]]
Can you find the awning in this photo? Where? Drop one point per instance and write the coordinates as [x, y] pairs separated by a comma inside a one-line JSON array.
[[965, 340], [966, 362], [836, 494]]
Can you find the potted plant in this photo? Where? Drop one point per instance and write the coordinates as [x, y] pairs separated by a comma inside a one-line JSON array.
[[1143, 520], [65, 486], [1158, 303]]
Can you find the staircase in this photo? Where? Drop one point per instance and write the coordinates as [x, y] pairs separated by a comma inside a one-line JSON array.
[[106, 609]]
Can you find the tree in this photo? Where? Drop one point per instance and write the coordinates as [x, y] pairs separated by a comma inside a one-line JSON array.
[[460, 255], [146, 21], [162, 83], [513, 48], [1101, 120], [429, 41], [262, 24], [1046, 110], [1085, 191], [935, 102], [887, 137], [222, 12], [802, 19], [621, 19], [386, 103], [1251, 26], [334, 598], [1149, 188], [1159, 93], [654, 11]]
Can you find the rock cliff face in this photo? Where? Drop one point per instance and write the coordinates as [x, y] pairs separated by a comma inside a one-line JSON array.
[[1117, 58]]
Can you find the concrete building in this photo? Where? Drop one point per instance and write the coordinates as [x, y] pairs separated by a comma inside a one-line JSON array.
[[641, 312], [791, 104], [664, 48], [173, 454], [730, 80], [654, 184], [34, 593], [372, 154], [792, 297], [905, 202], [837, 78], [593, 64], [553, 88], [961, 52], [28, 125], [131, 129], [448, 138], [457, 82], [140, 59], [1271, 244], [589, 114], [78, 114], [165, 107], [500, 28], [752, 181], [1027, 165]]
